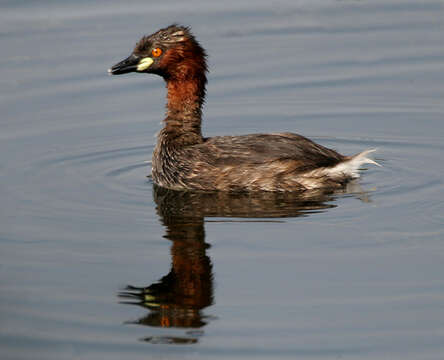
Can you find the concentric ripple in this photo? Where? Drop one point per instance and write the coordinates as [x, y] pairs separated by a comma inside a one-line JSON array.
[[108, 176]]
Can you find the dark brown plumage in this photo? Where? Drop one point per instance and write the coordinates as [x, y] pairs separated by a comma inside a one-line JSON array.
[[184, 159]]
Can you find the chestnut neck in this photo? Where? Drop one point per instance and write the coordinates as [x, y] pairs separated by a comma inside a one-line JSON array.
[[186, 94]]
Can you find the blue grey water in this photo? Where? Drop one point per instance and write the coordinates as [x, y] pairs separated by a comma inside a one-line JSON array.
[[357, 275]]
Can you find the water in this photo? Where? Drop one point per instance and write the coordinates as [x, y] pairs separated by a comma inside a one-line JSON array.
[[355, 275]]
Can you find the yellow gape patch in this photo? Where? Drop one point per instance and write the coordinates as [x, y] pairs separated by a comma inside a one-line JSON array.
[[144, 64]]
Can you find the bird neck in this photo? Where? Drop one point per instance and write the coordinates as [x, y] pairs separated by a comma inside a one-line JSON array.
[[184, 109]]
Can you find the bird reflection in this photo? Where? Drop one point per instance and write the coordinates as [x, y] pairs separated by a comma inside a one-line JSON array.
[[178, 299]]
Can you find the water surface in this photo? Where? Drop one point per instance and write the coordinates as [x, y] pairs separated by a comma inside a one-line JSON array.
[[96, 262]]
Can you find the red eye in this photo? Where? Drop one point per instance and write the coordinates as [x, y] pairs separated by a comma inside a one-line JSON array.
[[156, 52]]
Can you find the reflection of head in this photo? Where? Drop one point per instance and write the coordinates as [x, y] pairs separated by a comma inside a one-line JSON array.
[[178, 297]]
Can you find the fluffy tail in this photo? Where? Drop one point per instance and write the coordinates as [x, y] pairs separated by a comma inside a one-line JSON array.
[[350, 167]]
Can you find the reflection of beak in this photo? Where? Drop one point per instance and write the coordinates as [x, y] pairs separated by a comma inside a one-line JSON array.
[[131, 64]]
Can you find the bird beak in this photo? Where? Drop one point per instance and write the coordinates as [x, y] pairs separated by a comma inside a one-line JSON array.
[[132, 63]]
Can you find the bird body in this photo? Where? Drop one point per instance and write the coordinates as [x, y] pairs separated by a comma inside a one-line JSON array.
[[183, 159]]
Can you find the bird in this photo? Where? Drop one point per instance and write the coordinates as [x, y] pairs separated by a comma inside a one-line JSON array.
[[183, 159]]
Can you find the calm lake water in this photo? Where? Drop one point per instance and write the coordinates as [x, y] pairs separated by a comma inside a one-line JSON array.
[[96, 263]]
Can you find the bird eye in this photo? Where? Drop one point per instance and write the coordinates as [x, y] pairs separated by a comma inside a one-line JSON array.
[[156, 52]]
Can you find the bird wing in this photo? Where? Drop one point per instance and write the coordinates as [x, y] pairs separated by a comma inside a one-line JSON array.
[[265, 148]]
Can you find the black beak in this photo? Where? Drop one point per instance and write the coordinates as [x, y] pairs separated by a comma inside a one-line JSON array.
[[125, 66]]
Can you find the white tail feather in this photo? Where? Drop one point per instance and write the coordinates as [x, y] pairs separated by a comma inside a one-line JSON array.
[[351, 166]]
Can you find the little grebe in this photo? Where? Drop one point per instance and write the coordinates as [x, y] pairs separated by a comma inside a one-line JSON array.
[[184, 159]]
